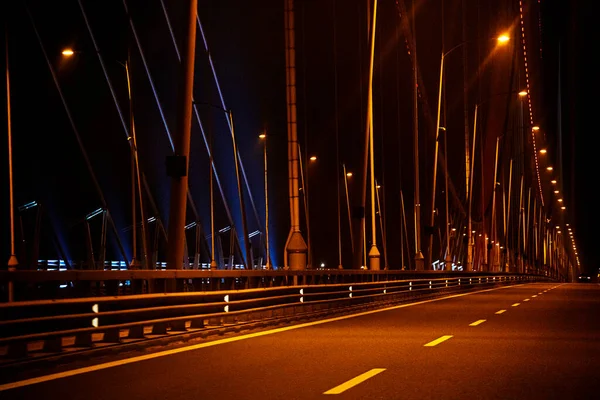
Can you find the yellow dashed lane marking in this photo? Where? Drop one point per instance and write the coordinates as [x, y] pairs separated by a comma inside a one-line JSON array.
[[354, 381], [478, 322], [437, 341]]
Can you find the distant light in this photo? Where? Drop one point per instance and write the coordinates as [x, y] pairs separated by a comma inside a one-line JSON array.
[[67, 52], [535, 128], [262, 136], [556, 191], [543, 151], [560, 200], [378, 186], [549, 168], [523, 93], [349, 174], [93, 214], [503, 38], [553, 181], [313, 158], [322, 265], [563, 208]]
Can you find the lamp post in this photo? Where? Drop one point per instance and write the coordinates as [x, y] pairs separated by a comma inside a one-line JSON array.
[[381, 226], [12, 261], [374, 255], [470, 180], [502, 39], [135, 171], [263, 136], [348, 174]]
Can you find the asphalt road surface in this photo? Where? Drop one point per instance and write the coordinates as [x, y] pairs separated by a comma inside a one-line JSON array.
[[533, 341]]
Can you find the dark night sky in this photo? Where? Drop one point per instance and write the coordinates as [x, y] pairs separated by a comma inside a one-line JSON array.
[[247, 47]]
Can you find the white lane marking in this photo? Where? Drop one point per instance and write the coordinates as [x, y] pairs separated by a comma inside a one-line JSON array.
[[111, 364], [354, 381], [437, 341]]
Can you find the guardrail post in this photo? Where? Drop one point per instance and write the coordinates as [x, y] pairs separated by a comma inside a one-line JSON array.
[[53, 345], [111, 336], [83, 339], [136, 332], [159, 329], [17, 350], [197, 323], [178, 326]]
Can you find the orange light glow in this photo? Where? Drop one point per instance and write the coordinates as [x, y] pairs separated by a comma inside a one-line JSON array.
[[502, 39], [67, 52]]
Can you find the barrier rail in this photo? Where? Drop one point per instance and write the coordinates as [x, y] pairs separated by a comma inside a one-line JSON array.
[[88, 322], [39, 285]]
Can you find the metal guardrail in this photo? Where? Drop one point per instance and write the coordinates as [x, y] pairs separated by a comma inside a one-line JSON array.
[[51, 285], [87, 322]]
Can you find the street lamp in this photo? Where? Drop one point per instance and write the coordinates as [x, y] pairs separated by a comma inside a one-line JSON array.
[[382, 227], [502, 39], [12, 261], [135, 171], [347, 175], [470, 180]]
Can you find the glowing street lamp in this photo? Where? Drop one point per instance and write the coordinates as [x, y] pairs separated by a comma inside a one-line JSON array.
[[135, 171], [502, 40]]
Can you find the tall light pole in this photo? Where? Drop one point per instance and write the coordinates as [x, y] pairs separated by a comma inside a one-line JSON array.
[[347, 175], [12, 261], [501, 40], [213, 262], [448, 255], [374, 256], [381, 226], [493, 226], [470, 197], [263, 136], [135, 170], [419, 260]]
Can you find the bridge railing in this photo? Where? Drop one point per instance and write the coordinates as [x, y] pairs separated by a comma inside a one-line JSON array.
[[88, 321], [30, 285]]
